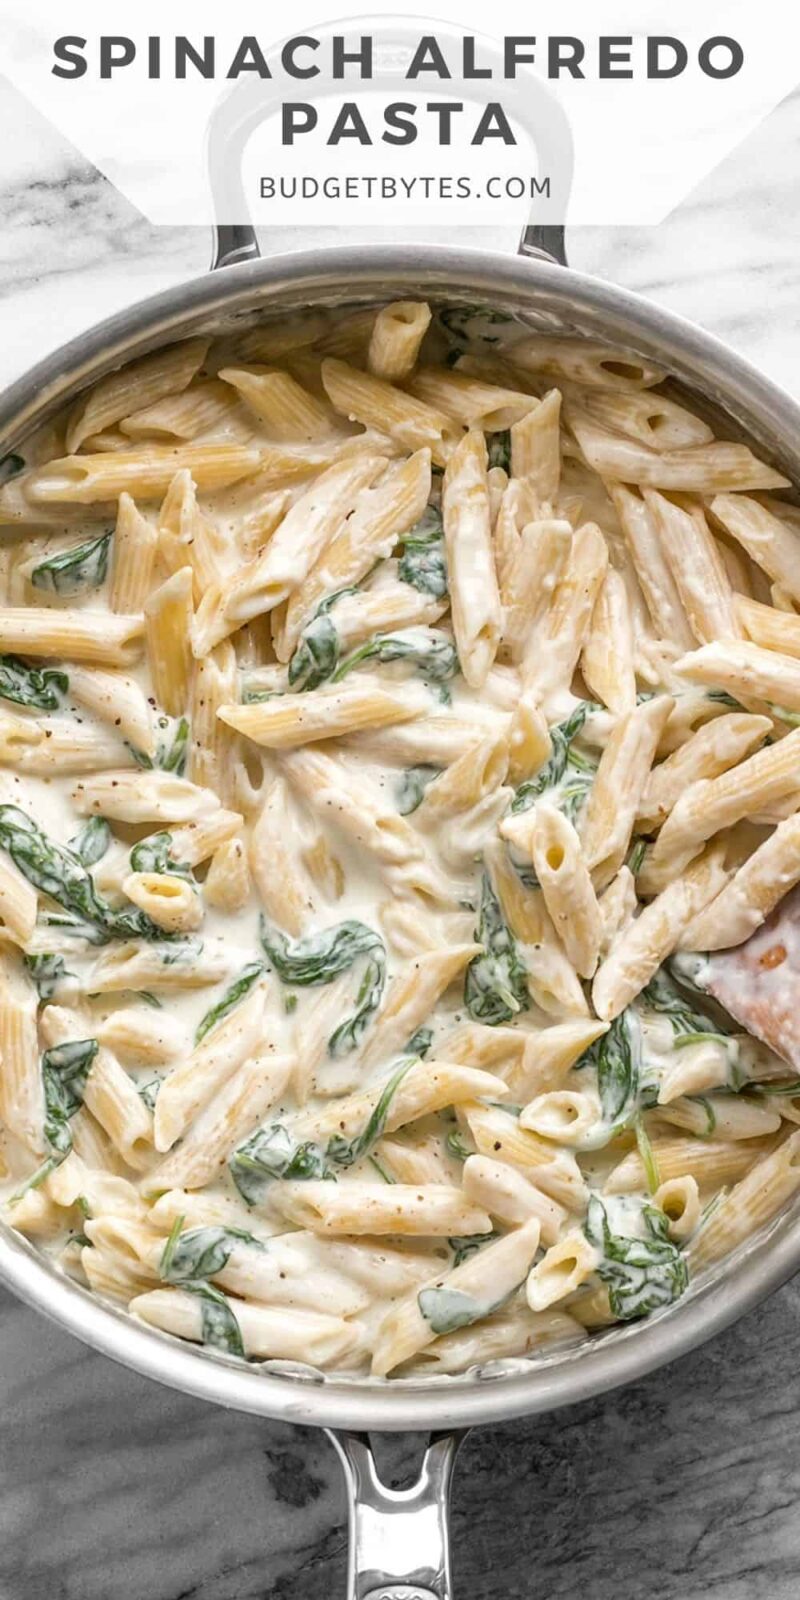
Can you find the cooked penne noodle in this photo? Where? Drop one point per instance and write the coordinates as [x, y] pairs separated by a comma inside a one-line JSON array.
[[230, 1115], [168, 623], [22, 1107], [284, 408], [608, 659], [74, 635], [469, 401], [433, 1210], [397, 334], [640, 949], [562, 1270], [190, 1087], [616, 794], [567, 887], [290, 554], [750, 1204], [536, 448], [140, 384], [109, 1093], [506, 1194], [18, 904], [711, 804], [377, 404], [382, 513], [697, 567], [286, 722], [286, 1334], [227, 884], [142, 797], [713, 1163], [167, 900], [554, 645], [713, 749], [205, 410], [538, 563], [213, 682], [752, 893], [745, 669], [700, 469], [407, 1329], [411, 996], [769, 541], [116, 700], [475, 599], [145, 473], [133, 551], [652, 568]]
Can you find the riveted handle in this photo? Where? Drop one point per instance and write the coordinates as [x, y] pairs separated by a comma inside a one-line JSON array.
[[526, 99], [399, 1538]]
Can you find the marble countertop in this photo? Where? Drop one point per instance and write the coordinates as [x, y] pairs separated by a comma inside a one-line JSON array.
[[682, 1486]]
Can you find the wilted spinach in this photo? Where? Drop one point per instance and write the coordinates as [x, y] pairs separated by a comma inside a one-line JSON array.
[[237, 991], [423, 563], [640, 1274], [82, 567], [41, 687], [567, 771], [495, 987], [411, 785]]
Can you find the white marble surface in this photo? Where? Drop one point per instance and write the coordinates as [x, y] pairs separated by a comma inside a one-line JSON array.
[[683, 1486]]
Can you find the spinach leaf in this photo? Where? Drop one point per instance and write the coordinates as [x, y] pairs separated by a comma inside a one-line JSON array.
[[59, 873], [153, 855], [456, 320], [274, 1153], [11, 465], [47, 971], [456, 1146], [495, 987], [648, 1157], [83, 567], [499, 449], [201, 1252], [722, 698], [65, 1069], [220, 1327], [410, 788], [432, 654], [149, 1091], [423, 563], [349, 1033], [237, 991], [271, 1153], [345, 1152], [663, 995], [92, 843], [567, 770], [172, 747], [42, 687], [640, 1274], [420, 1042], [317, 651], [320, 957], [446, 1310], [618, 1059], [466, 1246]]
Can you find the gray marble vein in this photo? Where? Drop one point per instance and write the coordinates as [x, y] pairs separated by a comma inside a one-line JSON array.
[[680, 1487]]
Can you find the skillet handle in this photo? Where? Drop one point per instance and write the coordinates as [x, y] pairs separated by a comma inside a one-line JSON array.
[[526, 99], [399, 1538]]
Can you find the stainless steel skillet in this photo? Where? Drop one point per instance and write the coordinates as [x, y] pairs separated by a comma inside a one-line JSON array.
[[399, 1539]]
